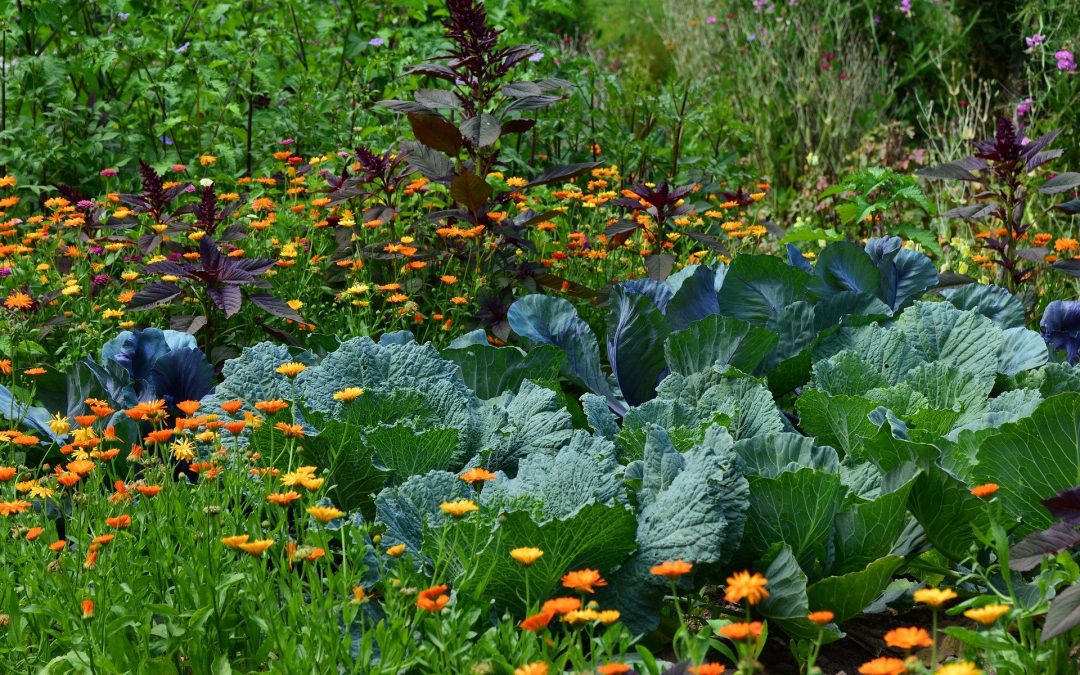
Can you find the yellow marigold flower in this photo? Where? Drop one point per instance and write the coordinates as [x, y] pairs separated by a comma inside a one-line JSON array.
[[183, 449], [207, 160], [358, 595], [295, 305], [608, 616], [958, 668], [235, 540], [59, 424], [988, 614], [746, 586], [348, 394], [535, 668], [257, 547], [526, 555], [935, 597], [291, 369], [396, 551], [581, 616], [459, 507], [324, 514]]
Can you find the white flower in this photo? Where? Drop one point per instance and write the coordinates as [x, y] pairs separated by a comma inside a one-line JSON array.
[[206, 182]]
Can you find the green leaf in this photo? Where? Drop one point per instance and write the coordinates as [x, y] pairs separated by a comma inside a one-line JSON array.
[[842, 266], [788, 605], [1034, 459], [964, 339], [410, 507], [993, 302], [947, 512], [717, 341], [848, 594], [533, 421], [839, 421], [868, 530], [490, 371], [796, 508], [757, 287], [404, 451], [769, 455]]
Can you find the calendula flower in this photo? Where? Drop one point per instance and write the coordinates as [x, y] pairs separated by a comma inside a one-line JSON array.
[[34, 372], [988, 614], [18, 300], [189, 407], [883, 666], [583, 580], [432, 599], [741, 630], [183, 449], [672, 569], [59, 424], [358, 595], [34, 532], [348, 394], [294, 430], [396, 550], [477, 475], [235, 540], [613, 669], [270, 407], [908, 638], [561, 605], [537, 621], [820, 617], [119, 522], [232, 406], [7, 473], [934, 597], [526, 555], [608, 616], [708, 669], [746, 586], [87, 608], [324, 514], [13, 507], [148, 490], [283, 498], [985, 491], [534, 668], [459, 507], [291, 369], [257, 547]]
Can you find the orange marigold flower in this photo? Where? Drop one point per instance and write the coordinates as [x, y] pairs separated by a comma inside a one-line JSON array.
[[81, 466], [232, 406], [34, 532], [537, 621], [87, 608], [270, 407], [746, 586], [583, 580], [283, 498], [104, 538], [148, 490], [235, 540], [432, 599], [58, 545], [672, 569], [159, 436], [910, 637], [17, 506], [35, 371], [708, 669], [883, 666], [477, 475], [395, 551], [18, 300], [741, 630], [189, 407], [821, 617], [119, 522], [7, 473], [985, 491], [68, 479], [1066, 244], [26, 440], [294, 430], [561, 605]]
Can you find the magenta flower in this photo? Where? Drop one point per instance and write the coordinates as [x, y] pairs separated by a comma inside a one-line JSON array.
[[1065, 60], [905, 7], [1024, 107], [109, 173], [1035, 40], [710, 19]]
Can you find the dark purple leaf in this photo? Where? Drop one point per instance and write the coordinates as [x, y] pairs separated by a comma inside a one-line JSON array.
[[521, 89], [518, 126], [433, 70], [659, 265], [532, 103], [709, 241], [168, 267], [430, 163], [1070, 267], [438, 99], [562, 172], [182, 374], [187, 323], [405, 106], [1061, 183], [1042, 158], [552, 83], [227, 298], [1028, 553], [1034, 147], [154, 294], [435, 132], [1064, 614], [1037, 255], [1071, 206], [971, 211], [276, 306], [470, 190], [481, 131], [949, 171], [1065, 505]]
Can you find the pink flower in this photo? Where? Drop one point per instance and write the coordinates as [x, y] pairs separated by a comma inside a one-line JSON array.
[[1065, 60]]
